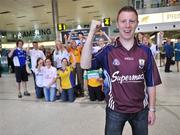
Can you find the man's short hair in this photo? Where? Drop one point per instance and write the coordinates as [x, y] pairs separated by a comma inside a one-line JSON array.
[[17, 42], [34, 42], [80, 33], [127, 9]]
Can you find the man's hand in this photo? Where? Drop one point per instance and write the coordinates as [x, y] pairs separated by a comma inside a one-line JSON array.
[[151, 118], [95, 26]]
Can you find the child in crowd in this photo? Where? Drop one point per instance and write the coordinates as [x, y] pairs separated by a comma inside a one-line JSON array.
[[93, 82], [49, 80], [39, 78], [67, 80]]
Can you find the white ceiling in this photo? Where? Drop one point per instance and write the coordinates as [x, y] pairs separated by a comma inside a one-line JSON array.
[[23, 17]]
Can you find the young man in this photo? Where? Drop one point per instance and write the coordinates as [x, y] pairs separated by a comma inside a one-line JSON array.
[[35, 53], [131, 76], [19, 59], [177, 53], [169, 53]]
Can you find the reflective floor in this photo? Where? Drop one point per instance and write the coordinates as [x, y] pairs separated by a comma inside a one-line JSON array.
[[29, 116]]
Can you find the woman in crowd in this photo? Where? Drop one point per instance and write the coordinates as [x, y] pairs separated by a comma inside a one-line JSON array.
[[177, 53], [151, 45], [39, 78], [49, 81], [67, 80], [59, 53]]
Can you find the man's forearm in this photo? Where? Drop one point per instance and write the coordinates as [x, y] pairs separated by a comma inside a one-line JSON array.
[[152, 97], [86, 55]]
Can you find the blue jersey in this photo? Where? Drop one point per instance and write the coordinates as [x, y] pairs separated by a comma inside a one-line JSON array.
[[127, 73], [19, 57]]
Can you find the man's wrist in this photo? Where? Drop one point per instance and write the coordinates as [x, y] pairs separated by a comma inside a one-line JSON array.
[[152, 109]]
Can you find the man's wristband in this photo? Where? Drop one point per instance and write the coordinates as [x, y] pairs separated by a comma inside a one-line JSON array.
[[152, 109]]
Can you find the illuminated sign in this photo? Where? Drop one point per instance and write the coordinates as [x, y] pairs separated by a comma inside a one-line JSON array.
[[159, 17], [171, 16], [107, 22], [62, 26]]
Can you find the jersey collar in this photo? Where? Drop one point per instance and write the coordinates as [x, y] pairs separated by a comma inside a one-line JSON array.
[[118, 44]]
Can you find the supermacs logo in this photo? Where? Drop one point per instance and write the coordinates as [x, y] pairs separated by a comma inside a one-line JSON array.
[[126, 78]]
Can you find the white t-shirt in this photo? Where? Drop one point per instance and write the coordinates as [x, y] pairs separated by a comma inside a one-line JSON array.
[[35, 54], [48, 75], [39, 76], [58, 56]]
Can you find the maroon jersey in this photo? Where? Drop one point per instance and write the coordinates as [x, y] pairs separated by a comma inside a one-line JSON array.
[[127, 75]]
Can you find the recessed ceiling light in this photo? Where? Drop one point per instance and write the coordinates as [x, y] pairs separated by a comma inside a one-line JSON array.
[[49, 12], [88, 6], [69, 20], [34, 20], [37, 6], [5, 12], [75, 0], [44, 23], [20, 16], [10, 24], [92, 12], [62, 16], [97, 16]]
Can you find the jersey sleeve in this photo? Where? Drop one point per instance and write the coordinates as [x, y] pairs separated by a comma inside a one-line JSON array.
[[100, 59], [85, 76], [152, 75]]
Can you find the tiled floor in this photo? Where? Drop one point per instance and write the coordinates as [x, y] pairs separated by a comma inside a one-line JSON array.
[[29, 116]]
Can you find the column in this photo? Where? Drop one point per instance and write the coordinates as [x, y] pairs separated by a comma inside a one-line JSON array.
[[55, 18]]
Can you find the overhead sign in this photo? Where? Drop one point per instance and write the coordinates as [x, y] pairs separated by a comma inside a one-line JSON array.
[[159, 17], [62, 26], [107, 22]]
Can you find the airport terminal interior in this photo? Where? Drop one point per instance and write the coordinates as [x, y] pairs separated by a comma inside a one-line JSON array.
[[49, 23]]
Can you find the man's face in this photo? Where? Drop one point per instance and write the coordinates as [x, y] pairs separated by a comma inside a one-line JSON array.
[[59, 46], [80, 36], [73, 44], [20, 44], [35, 45], [101, 42], [127, 24]]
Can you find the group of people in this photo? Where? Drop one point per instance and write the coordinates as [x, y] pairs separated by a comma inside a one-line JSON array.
[[58, 73], [124, 72], [171, 51], [167, 52]]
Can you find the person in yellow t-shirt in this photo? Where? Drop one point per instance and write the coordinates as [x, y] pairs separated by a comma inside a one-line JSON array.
[[67, 80], [93, 81]]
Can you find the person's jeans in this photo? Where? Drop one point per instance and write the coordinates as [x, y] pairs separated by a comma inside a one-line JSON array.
[[50, 94], [168, 64], [39, 92], [68, 95], [115, 122]]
